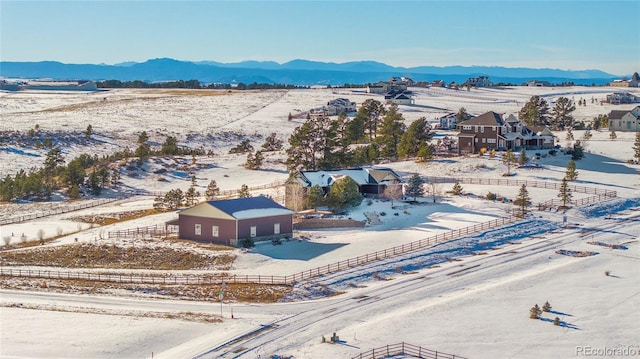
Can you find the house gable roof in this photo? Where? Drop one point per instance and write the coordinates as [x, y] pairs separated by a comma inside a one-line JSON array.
[[239, 208], [617, 114], [362, 176], [486, 119]]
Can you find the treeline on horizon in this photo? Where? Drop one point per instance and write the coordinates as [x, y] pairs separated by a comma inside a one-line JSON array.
[[192, 84], [195, 84]]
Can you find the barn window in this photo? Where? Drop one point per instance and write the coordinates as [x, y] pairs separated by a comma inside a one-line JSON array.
[[276, 228], [253, 231], [214, 231], [198, 229]]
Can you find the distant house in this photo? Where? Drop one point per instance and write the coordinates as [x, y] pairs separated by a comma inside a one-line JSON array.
[[370, 180], [402, 98], [448, 121], [335, 107], [339, 105], [393, 84], [634, 82], [438, 83], [491, 131], [625, 121], [227, 222], [379, 88], [618, 98], [480, 81], [537, 83]]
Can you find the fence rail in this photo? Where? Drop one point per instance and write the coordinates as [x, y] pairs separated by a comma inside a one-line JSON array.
[[84, 205], [209, 279], [405, 349], [153, 231], [512, 182], [397, 250]]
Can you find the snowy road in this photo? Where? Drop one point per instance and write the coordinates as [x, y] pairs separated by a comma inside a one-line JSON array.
[[259, 330], [449, 282]]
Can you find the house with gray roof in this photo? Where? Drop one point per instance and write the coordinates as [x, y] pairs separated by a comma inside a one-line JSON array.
[[229, 221], [371, 181], [618, 98], [625, 120], [492, 132]]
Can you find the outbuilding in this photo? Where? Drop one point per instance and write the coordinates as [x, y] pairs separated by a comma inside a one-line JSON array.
[[227, 222]]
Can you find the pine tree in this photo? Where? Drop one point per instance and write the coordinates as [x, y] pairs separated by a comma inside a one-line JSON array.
[[425, 153], [565, 194], [249, 164], [462, 115], [414, 187], [457, 189], [212, 190], [612, 135], [390, 132], [578, 151], [344, 194], [418, 133], [191, 195], [509, 159], [272, 143], [94, 183], [636, 147], [143, 151], [546, 307], [243, 192], [523, 200], [571, 174], [522, 160], [371, 111], [315, 197], [535, 112], [562, 117], [170, 146], [88, 132], [535, 312], [115, 177]]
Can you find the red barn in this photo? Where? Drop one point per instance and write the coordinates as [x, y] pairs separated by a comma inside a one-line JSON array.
[[229, 221]]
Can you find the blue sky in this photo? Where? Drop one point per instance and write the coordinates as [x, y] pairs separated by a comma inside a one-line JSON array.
[[574, 35]]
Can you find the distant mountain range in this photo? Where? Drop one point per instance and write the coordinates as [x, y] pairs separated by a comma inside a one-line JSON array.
[[296, 72]]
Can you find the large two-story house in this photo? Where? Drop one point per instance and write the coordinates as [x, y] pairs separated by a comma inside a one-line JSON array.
[[491, 131]]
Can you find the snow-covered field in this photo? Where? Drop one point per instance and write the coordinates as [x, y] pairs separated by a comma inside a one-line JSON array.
[[469, 297]]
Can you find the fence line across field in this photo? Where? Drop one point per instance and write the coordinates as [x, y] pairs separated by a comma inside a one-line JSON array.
[[77, 207], [325, 269], [404, 349], [207, 279]]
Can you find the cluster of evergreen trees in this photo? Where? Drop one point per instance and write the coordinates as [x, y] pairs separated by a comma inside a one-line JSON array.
[[375, 133], [191, 84], [85, 172]]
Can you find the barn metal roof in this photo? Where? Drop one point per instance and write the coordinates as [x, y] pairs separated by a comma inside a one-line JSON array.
[[241, 207]]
